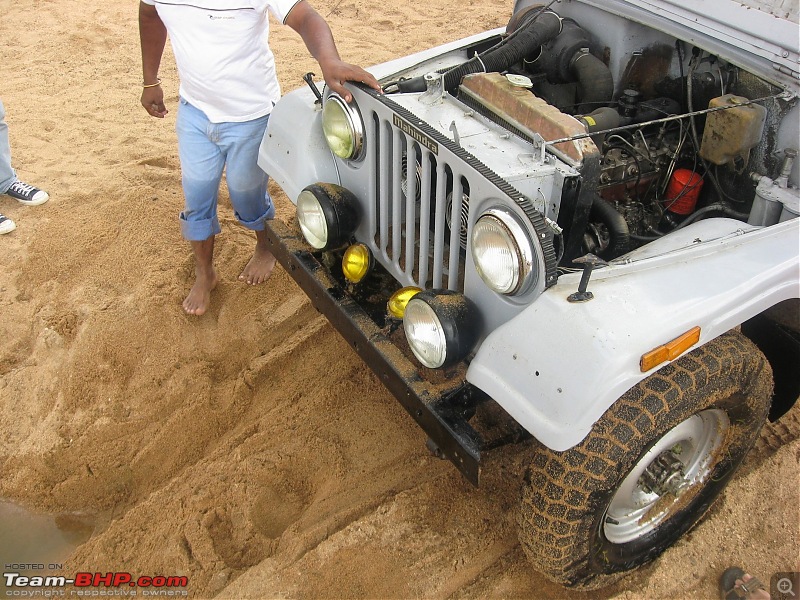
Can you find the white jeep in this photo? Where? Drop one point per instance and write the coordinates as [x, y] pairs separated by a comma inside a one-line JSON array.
[[580, 229]]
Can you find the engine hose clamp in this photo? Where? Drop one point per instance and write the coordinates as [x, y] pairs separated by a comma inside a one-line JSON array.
[[557, 16]]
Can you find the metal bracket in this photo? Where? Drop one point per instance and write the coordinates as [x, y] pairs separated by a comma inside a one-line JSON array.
[[309, 79], [456, 137], [435, 91], [539, 148]]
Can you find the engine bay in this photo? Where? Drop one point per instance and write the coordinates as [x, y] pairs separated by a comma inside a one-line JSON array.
[[659, 132]]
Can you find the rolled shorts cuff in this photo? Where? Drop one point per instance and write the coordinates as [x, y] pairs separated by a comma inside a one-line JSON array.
[[201, 230], [6, 183], [258, 224]]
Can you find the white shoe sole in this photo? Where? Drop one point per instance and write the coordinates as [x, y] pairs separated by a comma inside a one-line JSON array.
[[36, 201], [7, 226]]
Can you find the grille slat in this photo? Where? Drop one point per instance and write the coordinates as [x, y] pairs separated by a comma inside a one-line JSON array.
[[424, 218], [397, 195], [411, 208], [455, 231], [439, 225], [383, 192]]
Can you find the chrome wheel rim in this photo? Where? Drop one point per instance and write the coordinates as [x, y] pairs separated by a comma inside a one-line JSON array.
[[636, 510]]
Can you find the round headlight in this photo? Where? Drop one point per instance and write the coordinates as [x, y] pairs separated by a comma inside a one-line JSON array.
[[441, 327], [312, 219], [328, 215], [425, 334], [343, 128], [502, 252]]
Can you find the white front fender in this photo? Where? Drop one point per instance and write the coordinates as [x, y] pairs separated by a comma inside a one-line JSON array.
[[558, 366], [293, 151]]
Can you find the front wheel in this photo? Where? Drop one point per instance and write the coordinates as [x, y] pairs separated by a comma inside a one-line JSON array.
[[649, 469]]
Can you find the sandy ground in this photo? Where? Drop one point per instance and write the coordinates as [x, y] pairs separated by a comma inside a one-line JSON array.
[[249, 449]]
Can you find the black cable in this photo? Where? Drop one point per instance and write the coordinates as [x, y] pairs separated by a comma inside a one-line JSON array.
[[716, 207]]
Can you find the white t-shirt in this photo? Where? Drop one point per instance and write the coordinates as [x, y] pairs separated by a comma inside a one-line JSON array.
[[226, 67]]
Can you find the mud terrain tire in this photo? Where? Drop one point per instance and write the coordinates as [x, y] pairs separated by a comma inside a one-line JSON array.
[[567, 497]]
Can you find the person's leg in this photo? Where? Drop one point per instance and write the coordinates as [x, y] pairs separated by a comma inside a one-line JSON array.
[[198, 299], [247, 185], [201, 170], [7, 174], [9, 184]]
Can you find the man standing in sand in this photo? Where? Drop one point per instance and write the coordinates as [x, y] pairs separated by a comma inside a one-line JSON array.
[[228, 88]]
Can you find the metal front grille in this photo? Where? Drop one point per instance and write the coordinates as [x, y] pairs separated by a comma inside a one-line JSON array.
[[417, 196]]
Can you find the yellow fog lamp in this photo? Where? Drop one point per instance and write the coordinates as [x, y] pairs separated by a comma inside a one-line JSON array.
[[669, 351], [356, 262], [398, 301]]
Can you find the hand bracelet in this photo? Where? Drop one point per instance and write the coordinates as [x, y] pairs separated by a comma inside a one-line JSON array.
[[149, 85]]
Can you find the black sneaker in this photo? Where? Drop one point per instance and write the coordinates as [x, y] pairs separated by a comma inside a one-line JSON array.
[[6, 224], [27, 194]]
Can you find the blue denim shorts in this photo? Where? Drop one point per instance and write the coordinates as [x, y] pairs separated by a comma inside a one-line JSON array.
[[205, 150]]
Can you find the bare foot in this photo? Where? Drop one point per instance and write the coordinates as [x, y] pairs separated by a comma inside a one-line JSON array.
[[199, 298], [260, 266]]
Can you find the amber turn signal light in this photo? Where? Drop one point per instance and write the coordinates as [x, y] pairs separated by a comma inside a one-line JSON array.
[[669, 351]]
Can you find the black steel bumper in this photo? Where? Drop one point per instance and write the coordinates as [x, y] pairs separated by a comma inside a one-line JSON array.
[[441, 410]]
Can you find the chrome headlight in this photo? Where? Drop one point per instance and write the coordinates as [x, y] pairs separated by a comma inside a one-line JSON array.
[[503, 252], [441, 327], [425, 334], [343, 128], [312, 219], [328, 215]]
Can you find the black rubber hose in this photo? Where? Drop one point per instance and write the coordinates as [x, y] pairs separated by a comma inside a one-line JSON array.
[[617, 227], [533, 34], [716, 207], [595, 83], [522, 42]]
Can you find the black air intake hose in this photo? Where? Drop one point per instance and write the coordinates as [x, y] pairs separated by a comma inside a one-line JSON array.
[[595, 84], [524, 41], [567, 59], [617, 227], [528, 38]]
